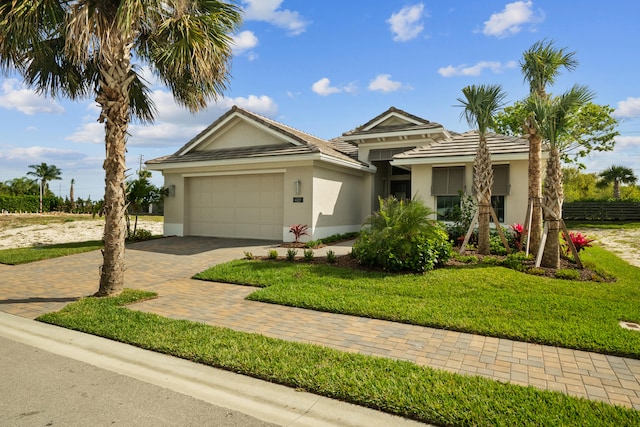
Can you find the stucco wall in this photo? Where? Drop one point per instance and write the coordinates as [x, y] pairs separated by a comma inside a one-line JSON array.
[[240, 135], [337, 202]]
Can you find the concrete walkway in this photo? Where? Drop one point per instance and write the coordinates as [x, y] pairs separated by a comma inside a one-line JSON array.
[[165, 266]]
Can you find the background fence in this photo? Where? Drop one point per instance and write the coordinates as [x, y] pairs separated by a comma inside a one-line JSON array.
[[601, 211]]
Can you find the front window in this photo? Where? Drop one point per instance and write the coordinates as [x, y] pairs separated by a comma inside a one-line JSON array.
[[446, 207], [497, 202]]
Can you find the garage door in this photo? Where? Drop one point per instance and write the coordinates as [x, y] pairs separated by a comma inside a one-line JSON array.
[[245, 206]]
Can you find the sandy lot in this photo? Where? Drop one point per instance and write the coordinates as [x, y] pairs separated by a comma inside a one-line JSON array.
[[624, 243], [62, 232]]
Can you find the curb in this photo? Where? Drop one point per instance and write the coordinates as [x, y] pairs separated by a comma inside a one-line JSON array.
[[261, 399]]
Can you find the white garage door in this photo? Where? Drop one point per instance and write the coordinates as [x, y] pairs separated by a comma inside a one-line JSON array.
[[245, 206]]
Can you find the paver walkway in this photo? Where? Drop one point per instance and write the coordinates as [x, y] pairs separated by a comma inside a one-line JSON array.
[[165, 266]]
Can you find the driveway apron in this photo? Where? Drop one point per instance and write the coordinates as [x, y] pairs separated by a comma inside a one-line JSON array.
[[166, 265]]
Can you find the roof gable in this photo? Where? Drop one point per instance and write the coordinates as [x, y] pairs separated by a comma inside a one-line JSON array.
[[393, 120], [240, 134]]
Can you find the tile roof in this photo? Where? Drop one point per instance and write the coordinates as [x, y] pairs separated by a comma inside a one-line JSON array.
[[465, 144], [423, 124], [308, 144]]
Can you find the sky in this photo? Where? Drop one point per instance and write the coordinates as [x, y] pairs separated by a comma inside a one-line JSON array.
[[326, 67]]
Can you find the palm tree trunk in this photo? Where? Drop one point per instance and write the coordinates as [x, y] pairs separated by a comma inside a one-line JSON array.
[[553, 197], [616, 189], [114, 100], [535, 189], [483, 183]]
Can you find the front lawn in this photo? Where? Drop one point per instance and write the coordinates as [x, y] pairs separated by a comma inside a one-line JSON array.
[[487, 300], [397, 387], [37, 253]]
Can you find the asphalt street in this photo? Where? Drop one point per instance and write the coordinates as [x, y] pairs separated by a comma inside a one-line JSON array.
[[39, 388]]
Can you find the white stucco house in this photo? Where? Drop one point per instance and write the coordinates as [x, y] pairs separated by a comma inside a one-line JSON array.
[[249, 176]]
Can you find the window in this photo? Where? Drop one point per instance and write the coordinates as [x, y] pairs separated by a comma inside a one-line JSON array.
[[446, 206], [448, 183], [497, 202]]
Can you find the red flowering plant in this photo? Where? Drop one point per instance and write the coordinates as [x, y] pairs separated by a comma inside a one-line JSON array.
[[579, 240], [517, 231], [298, 231]]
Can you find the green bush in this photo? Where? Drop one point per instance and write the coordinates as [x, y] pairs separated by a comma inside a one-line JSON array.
[[331, 257], [567, 274], [291, 254], [272, 254], [139, 235], [308, 254], [401, 237]]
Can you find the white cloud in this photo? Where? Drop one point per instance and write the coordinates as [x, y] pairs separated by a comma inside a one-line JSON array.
[[628, 142], [511, 19], [16, 96], [244, 41], [383, 83], [174, 124], [476, 70], [39, 154], [269, 11], [323, 87], [628, 108], [406, 24]]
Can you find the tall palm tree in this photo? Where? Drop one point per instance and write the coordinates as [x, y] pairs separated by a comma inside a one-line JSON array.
[[553, 121], [540, 65], [481, 103], [95, 48], [44, 173], [72, 200], [616, 175]]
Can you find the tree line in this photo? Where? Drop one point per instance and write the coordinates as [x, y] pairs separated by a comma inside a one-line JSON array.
[[25, 194]]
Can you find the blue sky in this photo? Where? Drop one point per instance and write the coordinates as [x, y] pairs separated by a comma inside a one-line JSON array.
[[327, 67]]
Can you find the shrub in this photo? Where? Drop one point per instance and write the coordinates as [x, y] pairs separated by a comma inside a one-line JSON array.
[[516, 236], [248, 255], [331, 257], [273, 254], [401, 237], [516, 261], [495, 245], [291, 254], [139, 235], [536, 271], [308, 254], [460, 218], [298, 231], [579, 240], [567, 274]]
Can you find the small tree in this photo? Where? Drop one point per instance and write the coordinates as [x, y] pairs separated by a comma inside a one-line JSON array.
[[44, 173], [616, 175], [140, 194]]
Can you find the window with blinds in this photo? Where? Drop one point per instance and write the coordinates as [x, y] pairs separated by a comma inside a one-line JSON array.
[[447, 181]]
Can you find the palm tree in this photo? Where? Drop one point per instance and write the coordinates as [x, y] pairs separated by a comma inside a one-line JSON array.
[[481, 103], [553, 122], [616, 175], [20, 186], [72, 201], [44, 173], [87, 48], [540, 66]]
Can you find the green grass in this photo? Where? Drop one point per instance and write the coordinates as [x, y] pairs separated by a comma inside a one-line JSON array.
[[610, 225], [38, 253], [487, 300], [397, 387]]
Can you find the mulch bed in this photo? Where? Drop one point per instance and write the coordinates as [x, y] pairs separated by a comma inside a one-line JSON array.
[[347, 261]]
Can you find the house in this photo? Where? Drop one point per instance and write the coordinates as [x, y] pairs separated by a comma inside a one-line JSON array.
[[249, 176]]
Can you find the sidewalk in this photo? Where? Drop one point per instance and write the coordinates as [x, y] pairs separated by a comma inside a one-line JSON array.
[[164, 266]]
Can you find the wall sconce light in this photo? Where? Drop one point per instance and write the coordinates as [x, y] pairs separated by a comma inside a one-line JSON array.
[[172, 190], [296, 187]]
